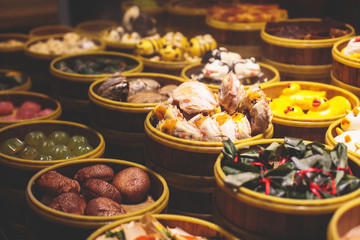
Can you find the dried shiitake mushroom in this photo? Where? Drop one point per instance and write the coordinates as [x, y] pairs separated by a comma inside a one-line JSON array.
[[57, 183], [94, 188], [133, 184], [99, 171], [103, 206], [69, 202]]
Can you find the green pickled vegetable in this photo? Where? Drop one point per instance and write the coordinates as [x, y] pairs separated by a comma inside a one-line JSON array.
[[12, 146], [34, 138]]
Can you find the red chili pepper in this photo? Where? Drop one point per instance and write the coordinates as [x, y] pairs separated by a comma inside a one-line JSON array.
[[267, 184], [259, 164], [236, 158], [345, 170], [284, 160]]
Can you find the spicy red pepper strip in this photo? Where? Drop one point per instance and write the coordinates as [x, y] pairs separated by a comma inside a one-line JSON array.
[[267, 184]]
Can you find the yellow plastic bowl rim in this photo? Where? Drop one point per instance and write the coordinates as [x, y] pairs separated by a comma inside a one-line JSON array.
[[17, 48], [332, 230], [276, 78], [191, 145], [52, 56], [125, 106], [315, 122], [34, 31], [205, 223], [340, 57], [90, 78], [23, 87], [36, 164], [284, 205], [298, 43], [55, 114], [50, 213]]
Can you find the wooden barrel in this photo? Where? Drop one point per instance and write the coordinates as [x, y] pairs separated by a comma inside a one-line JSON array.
[[253, 215], [308, 60]]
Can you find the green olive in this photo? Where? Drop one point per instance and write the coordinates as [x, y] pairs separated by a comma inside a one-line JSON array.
[[34, 138], [77, 140], [60, 151], [82, 149], [28, 152], [46, 146], [59, 137], [12, 146]]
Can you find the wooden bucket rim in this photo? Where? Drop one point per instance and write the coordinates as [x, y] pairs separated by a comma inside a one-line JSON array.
[[290, 120], [82, 220], [215, 88], [208, 224], [279, 204], [337, 82], [25, 37], [332, 230], [246, 27], [33, 31], [36, 164], [299, 43], [125, 106], [87, 23], [340, 57], [192, 145], [100, 46], [167, 65], [91, 78]]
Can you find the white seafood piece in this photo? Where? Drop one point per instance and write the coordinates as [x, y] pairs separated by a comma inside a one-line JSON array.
[[208, 126], [143, 84], [260, 117], [167, 90], [244, 128], [195, 97], [216, 69], [351, 121], [253, 95], [351, 139], [165, 110], [246, 68], [180, 128], [231, 92], [227, 125]]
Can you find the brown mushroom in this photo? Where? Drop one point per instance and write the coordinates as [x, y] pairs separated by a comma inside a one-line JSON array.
[[69, 202], [56, 183], [94, 188], [133, 184], [99, 171], [103, 206]]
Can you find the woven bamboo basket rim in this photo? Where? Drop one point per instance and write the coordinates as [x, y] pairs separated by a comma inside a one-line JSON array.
[[299, 43], [311, 70], [82, 26], [87, 78], [24, 37], [309, 121], [284, 205], [343, 85], [169, 65], [191, 145], [149, 10], [332, 229], [330, 140], [125, 106], [54, 115], [100, 46], [92, 221], [205, 223], [340, 57], [61, 27], [215, 88], [184, 10], [36, 164], [23, 87]]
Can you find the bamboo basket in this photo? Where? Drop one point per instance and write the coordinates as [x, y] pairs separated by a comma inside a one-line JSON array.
[[312, 129], [344, 219], [308, 60], [16, 172], [122, 123], [38, 63], [45, 220], [18, 97], [50, 30], [345, 69], [254, 215], [13, 57], [94, 27], [71, 89], [271, 73], [23, 87], [188, 167], [336, 82], [194, 226]]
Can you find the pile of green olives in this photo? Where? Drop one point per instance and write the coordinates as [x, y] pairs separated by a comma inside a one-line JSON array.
[[37, 146]]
